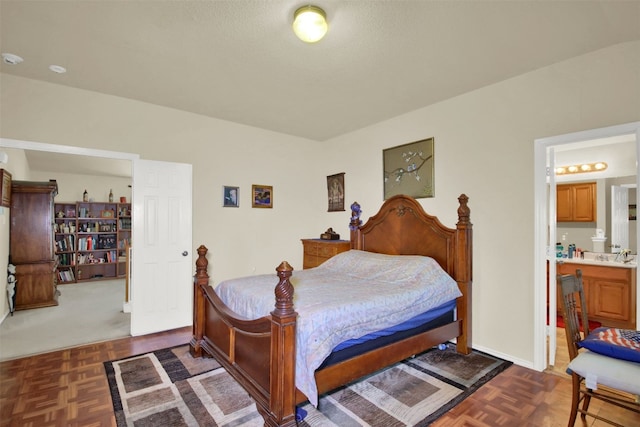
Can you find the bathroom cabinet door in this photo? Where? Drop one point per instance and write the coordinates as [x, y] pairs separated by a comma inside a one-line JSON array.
[[610, 293], [576, 202]]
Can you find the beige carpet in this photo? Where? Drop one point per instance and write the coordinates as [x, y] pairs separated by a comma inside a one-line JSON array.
[[88, 312]]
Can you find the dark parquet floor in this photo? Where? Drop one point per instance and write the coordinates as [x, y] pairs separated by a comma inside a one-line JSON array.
[[69, 388]]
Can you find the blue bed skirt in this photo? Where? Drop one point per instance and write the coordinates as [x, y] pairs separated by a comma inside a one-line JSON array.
[[431, 319]]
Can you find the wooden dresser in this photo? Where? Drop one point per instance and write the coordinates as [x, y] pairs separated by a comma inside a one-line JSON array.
[[31, 243], [317, 251]]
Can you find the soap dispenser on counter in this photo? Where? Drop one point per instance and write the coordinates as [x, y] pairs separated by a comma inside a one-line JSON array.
[[559, 250]]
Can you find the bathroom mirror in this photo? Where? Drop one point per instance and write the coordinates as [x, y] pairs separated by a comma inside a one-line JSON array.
[[620, 155]]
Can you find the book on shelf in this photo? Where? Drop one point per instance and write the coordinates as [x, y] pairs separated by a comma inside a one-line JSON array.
[[66, 275], [66, 244], [111, 256], [124, 224], [85, 243], [107, 242], [67, 259]]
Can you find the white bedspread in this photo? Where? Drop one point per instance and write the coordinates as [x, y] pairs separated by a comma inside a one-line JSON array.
[[350, 295]]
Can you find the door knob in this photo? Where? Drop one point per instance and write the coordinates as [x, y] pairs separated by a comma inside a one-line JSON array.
[[185, 253]]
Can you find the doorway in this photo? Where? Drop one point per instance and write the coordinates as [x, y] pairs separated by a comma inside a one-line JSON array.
[[165, 191], [77, 299], [545, 230]]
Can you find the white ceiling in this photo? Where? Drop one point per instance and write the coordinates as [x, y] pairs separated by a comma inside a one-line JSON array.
[[56, 163], [239, 60]]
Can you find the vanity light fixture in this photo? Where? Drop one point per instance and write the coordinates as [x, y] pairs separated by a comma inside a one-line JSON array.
[[310, 23], [582, 168]]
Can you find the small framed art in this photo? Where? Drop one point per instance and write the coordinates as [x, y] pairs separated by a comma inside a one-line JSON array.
[[408, 169], [261, 196], [5, 188], [335, 189], [230, 197]]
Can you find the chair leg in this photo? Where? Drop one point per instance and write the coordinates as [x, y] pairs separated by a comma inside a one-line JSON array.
[[585, 404], [575, 398]]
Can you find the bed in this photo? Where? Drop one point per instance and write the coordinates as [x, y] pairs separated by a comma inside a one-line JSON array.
[[261, 353]]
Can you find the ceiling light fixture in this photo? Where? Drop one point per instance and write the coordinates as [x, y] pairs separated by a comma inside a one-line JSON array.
[[11, 59], [582, 168], [310, 23]]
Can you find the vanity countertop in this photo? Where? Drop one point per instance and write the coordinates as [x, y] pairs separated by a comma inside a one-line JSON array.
[[592, 261]]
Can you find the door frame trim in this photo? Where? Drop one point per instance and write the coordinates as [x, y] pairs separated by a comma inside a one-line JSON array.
[[67, 149], [541, 223]]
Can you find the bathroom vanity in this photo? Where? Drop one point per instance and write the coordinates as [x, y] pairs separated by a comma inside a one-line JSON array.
[[610, 289]]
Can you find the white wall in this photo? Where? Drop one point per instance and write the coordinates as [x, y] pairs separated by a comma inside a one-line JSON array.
[[71, 186], [483, 147], [19, 170], [241, 240]]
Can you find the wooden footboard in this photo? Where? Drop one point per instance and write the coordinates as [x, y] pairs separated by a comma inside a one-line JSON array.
[[260, 354]]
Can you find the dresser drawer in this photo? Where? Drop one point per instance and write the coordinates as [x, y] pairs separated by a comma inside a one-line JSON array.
[[317, 251]]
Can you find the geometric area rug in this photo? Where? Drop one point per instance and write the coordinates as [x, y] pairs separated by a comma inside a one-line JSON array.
[[170, 388]]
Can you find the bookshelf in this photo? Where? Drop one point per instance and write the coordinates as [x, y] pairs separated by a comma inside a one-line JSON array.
[[124, 236], [89, 240]]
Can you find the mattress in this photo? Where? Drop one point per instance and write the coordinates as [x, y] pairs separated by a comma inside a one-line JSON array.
[[353, 294]]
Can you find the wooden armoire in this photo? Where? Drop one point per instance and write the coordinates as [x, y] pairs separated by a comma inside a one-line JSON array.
[[31, 247]]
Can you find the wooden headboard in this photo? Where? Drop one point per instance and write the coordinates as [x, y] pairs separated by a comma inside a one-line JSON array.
[[402, 227]]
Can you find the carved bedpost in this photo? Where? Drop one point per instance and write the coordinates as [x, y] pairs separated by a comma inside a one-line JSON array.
[[463, 269], [283, 353], [200, 279], [355, 224]]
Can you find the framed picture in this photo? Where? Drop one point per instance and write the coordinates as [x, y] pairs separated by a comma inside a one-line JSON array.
[[230, 197], [335, 190], [106, 214], [262, 196], [5, 188], [632, 212], [408, 169]]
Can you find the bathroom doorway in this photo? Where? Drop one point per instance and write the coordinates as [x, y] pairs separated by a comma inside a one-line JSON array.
[[545, 229]]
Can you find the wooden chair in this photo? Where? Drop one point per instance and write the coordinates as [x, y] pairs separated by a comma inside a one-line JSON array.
[[594, 375]]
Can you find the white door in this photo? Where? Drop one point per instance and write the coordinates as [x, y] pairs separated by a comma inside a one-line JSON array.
[[161, 277], [619, 218]]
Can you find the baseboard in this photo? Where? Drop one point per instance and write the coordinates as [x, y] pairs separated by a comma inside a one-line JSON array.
[[509, 357]]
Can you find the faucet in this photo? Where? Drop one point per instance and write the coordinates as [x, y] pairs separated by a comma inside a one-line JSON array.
[[602, 257], [624, 256]]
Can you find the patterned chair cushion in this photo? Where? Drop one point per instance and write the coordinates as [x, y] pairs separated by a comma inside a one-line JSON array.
[[621, 344]]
